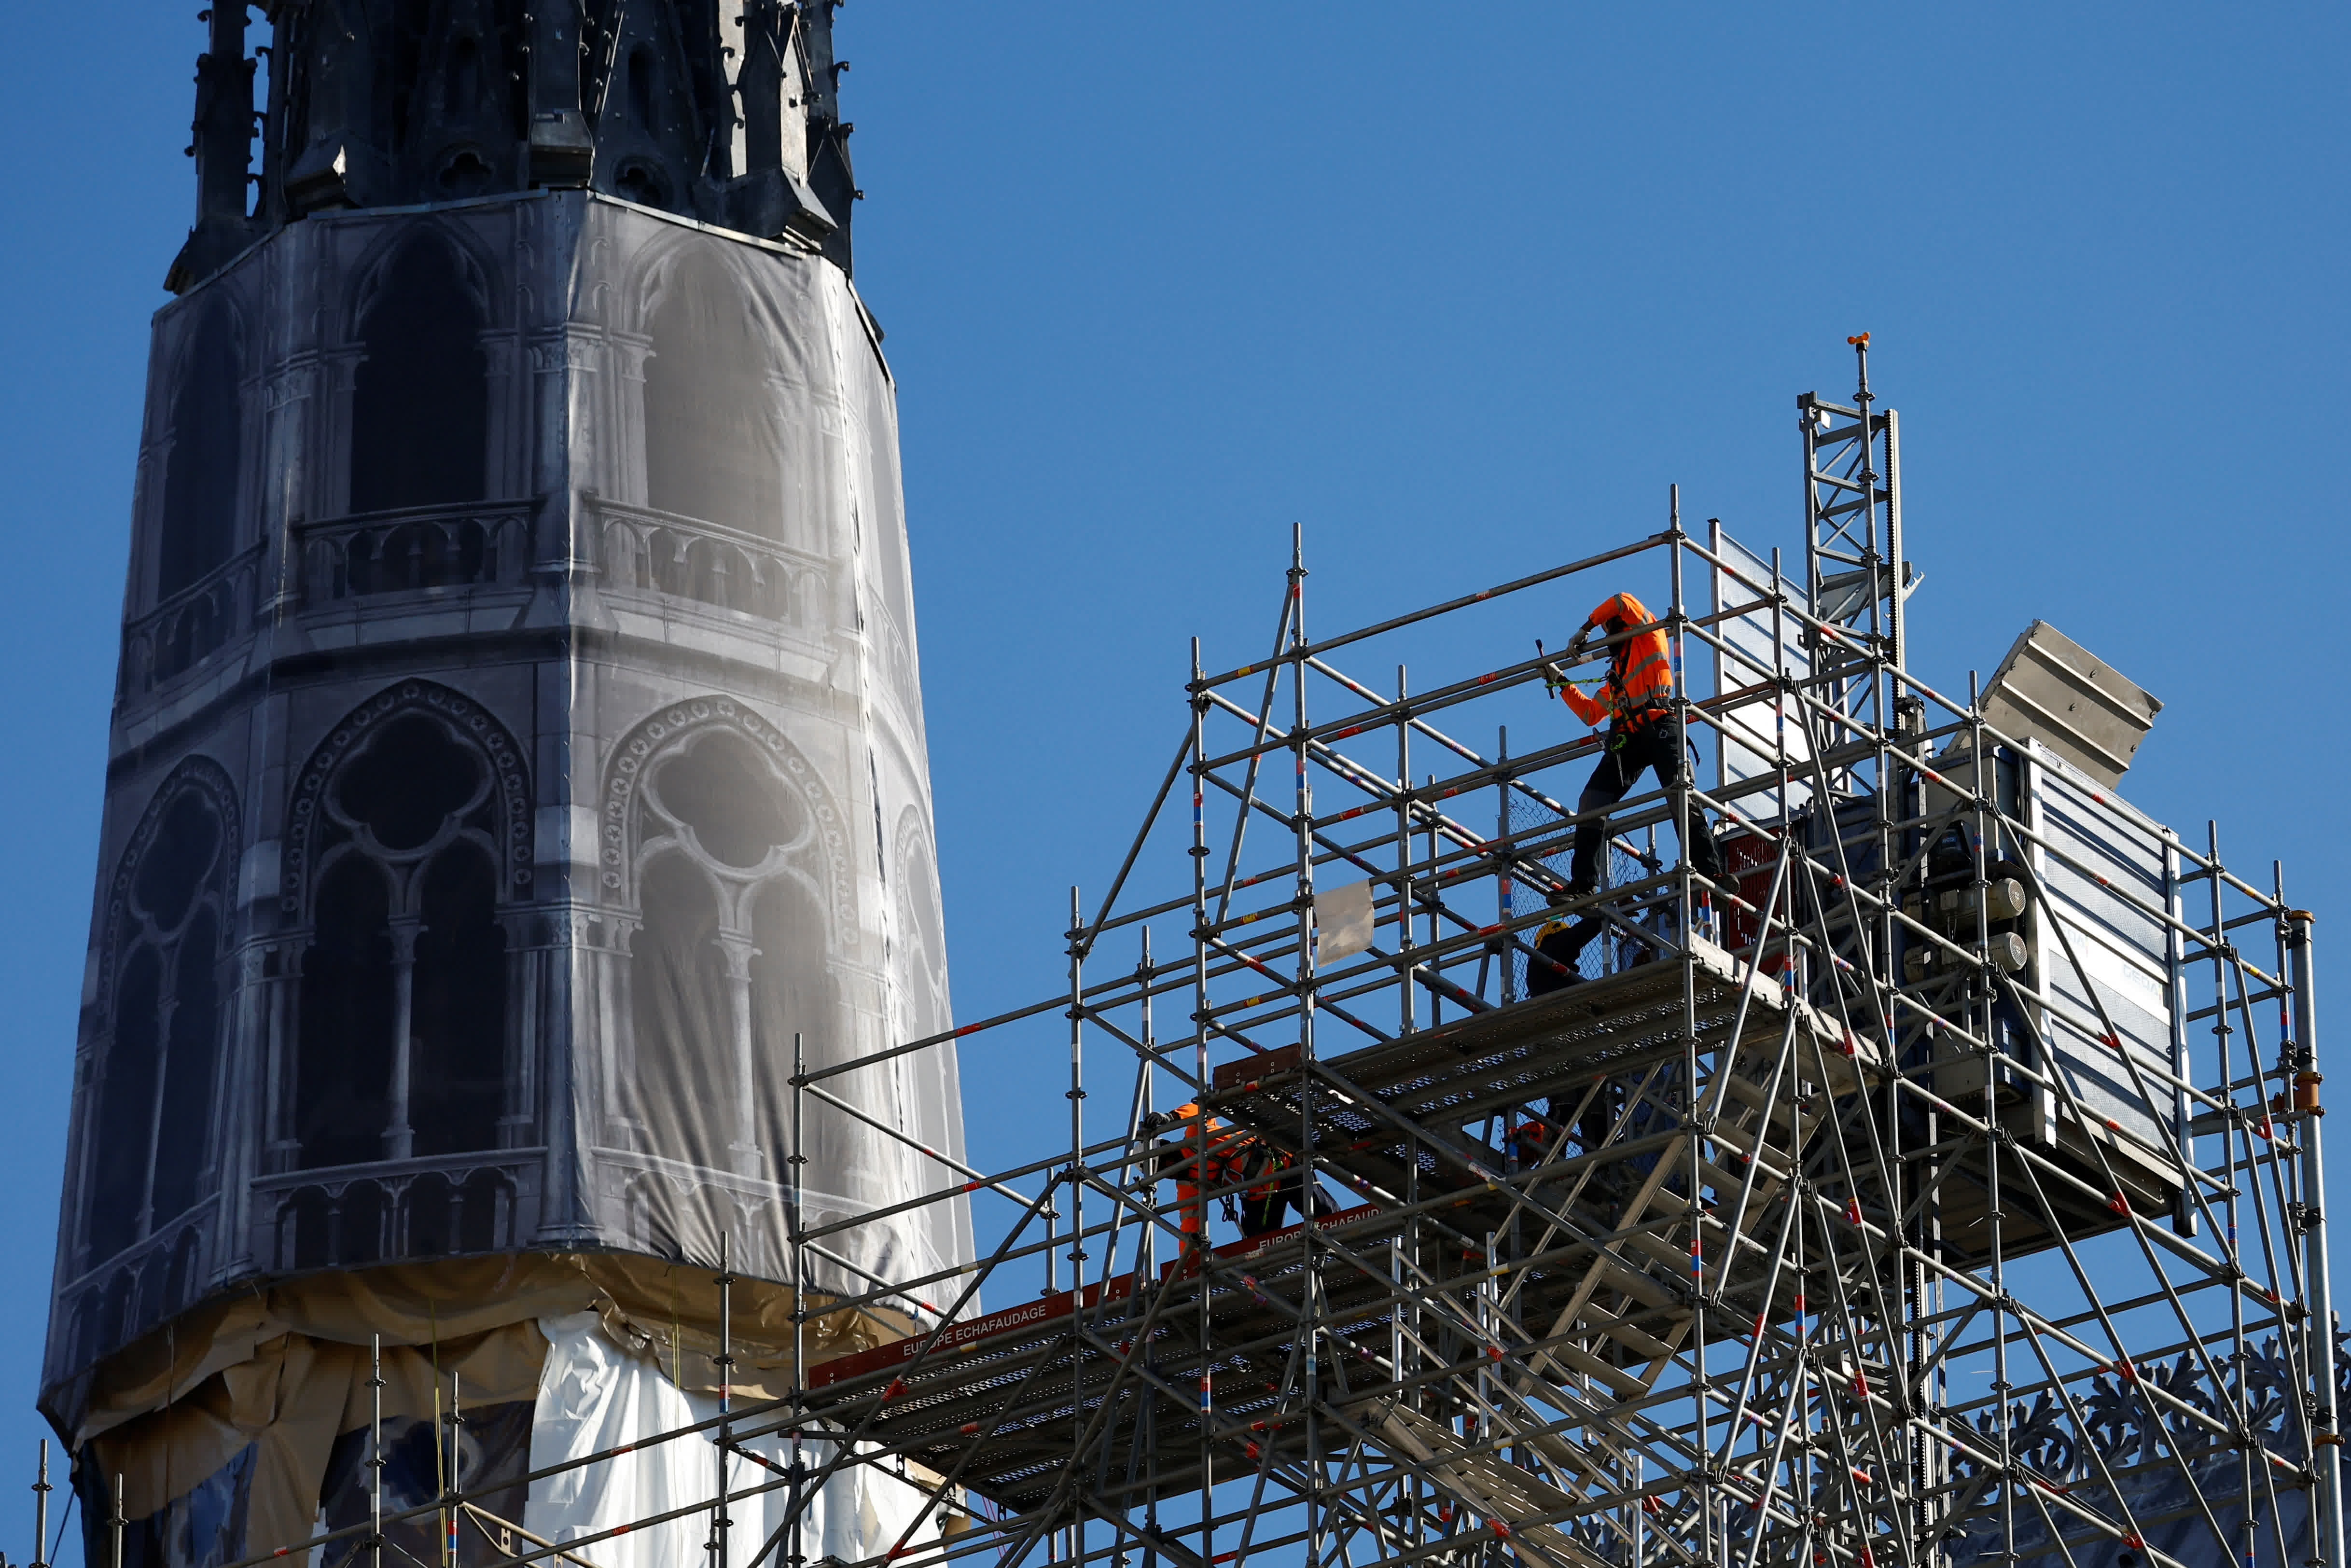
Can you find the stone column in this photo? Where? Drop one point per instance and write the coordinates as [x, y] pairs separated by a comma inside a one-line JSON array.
[[587, 1007], [399, 1138], [528, 954], [163, 1012], [279, 1019], [244, 1097], [744, 1148]]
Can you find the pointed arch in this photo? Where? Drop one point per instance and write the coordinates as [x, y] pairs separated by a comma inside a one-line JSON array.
[[198, 529], [651, 123], [477, 268], [461, 716], [409, 829], [732, 856], [653, 738], [920, 925], [468, 102], [421, 395], [168, 918], [714, 448]]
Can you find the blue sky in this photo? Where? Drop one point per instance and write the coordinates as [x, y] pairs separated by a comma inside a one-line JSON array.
[[1460, 289]]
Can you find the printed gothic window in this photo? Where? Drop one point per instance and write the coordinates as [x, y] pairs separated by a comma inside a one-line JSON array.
[[343, 1069], [405, 929], [199, 529], [685, 1032], [880, 526], [722, 793], [790, 992], [712, 450], [727, 964], [148, 1167], [460, 1006], [420, 406]]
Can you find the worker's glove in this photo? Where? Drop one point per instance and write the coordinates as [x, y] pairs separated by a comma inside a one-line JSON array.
[[1575, 644], [1152, 1122], [1553, 677]]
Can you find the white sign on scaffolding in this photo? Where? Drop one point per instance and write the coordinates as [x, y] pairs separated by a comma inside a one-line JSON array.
[[1343, 923]]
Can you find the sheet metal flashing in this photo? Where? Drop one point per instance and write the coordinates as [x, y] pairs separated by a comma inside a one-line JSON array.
[[2051, 689]]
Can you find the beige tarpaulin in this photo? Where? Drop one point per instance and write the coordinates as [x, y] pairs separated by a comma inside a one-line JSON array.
[[291, 1400], [284, 1368]]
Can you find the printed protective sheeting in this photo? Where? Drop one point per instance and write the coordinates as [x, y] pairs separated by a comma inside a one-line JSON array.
[[595, 1396], [519, 748]]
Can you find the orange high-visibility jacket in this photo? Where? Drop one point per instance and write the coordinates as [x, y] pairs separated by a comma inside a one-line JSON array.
[[1640, 674], [1181, 1156]]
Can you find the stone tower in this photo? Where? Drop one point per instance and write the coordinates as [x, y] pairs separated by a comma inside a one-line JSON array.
[[518, 746]]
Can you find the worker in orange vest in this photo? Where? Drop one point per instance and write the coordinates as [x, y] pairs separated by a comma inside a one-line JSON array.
[[1227, 1155], [1280, 1183], [1636, 702], [1196, 1163]]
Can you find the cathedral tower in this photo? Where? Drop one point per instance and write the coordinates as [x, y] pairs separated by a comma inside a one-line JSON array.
[[518, 747]]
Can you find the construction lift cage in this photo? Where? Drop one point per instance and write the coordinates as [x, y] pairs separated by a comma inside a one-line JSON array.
[[1939, 1186]]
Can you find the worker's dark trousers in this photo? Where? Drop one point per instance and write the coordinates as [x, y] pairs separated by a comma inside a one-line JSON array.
[[1262, 1207], [1648, 748], [1552, 966]]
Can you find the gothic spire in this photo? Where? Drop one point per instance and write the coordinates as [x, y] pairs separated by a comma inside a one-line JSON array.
[[722, 111]]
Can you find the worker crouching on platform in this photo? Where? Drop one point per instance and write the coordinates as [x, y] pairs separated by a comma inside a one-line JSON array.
[[1204, 1157], [1280, 1183], [1636, 702]]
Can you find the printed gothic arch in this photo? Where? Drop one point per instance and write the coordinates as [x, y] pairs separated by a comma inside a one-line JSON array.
[[882, 515], [198, 529], [166, 933], [922, 962], [410, 829], [732, 854], [730, 950], [714, 447], [419, 397]]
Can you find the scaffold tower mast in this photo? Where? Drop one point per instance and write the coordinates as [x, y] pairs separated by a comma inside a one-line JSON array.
[[1857, 576]]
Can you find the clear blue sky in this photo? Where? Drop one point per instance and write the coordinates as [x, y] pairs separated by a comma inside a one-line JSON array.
[[1461, 290]]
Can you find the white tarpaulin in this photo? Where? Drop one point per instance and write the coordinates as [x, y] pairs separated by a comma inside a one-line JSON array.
[[594, 1395], [1343, 922]]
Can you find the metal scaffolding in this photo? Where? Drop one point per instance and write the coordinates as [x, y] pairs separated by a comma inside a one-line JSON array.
[[1940, 1185]]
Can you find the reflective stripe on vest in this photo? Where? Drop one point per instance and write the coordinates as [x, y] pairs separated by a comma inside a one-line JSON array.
[[1645, 683]]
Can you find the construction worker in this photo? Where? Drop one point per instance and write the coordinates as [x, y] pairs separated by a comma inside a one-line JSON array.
[[1636, 701], [1285, 1183], [1557, 946], [1228, 1155], [1198, 1157]]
